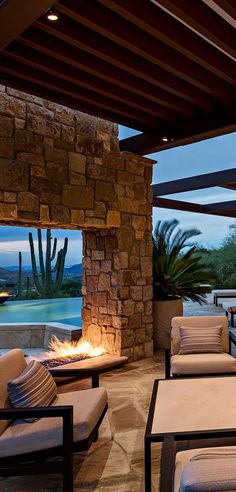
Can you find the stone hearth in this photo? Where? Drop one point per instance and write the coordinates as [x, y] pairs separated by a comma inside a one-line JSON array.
[[60, 168]]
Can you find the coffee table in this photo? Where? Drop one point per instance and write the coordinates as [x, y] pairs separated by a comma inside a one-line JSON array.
[[87, 368], [190, 408]]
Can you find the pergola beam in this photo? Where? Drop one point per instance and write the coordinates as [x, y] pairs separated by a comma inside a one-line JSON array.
[[220, 121], [199, 182], [225, 209], [16, 16]]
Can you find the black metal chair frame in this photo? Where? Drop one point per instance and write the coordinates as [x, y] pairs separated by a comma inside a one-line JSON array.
[[34, 463], [232, 339], [168, 452]]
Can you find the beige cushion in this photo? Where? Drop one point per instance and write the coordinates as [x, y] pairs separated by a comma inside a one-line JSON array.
[[11, 366], [204, 322], [202, 364], [23, 437], [184, 457], [224, 292]]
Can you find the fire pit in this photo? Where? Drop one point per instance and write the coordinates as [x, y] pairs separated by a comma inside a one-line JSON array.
[[79, 359], [65, 352], [4, 296]]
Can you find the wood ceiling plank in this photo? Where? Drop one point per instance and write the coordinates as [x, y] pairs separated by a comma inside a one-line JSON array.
[[15, 20], [165, 88], [160, 25], [128, 48], [33, 58], [33, 75], [196, 15]]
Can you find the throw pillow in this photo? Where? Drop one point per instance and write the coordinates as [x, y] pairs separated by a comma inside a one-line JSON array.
[[197, 340]]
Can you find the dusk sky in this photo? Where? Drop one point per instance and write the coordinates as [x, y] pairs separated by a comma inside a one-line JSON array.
[[200, 158]]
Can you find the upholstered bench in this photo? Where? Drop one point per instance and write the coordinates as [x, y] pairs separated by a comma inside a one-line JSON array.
[[222, 294]]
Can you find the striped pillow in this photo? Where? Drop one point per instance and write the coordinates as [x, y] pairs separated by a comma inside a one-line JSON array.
[[206, 340], [35, 387]]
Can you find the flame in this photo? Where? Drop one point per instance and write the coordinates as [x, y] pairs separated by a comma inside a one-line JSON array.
[[64, 348], [4, 294]]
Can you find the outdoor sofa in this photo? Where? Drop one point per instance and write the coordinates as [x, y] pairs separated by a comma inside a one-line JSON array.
[[191, 364], [70, 423]]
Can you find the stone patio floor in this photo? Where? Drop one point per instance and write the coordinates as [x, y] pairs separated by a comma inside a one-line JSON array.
[[116, 461]]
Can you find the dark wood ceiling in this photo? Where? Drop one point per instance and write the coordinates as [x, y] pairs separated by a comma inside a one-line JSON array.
[[163, 67]]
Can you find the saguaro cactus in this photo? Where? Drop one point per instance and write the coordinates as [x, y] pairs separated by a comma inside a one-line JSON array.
[[48, 278], [19, 283]]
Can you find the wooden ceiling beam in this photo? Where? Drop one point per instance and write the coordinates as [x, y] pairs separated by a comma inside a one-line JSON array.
[[200, 18], [114, 110], [228, 6], [224, 209], [178, 96], [130, 47], [144, 14], [32, 58], [177, 205], [15, 18], [116, 55], [219, 121], [192, 183]]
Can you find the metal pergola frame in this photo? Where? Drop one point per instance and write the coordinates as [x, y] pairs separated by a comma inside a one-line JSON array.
[[223, 179]]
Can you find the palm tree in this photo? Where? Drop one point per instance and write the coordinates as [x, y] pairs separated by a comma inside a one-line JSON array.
[[178, 270]]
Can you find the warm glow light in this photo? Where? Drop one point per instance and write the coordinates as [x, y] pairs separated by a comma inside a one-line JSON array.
[[4, 294], [65, 348], [52, 15], [164, 139]]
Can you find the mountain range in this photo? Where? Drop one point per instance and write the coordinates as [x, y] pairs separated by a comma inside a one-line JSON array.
[[10, 273]]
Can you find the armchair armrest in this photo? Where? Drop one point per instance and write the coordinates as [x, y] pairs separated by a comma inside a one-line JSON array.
[[63, 411], [232, 337]]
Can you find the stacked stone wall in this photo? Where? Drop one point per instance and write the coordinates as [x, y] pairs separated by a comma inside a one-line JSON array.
[[62, 168]]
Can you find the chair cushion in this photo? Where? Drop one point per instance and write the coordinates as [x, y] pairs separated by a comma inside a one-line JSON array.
[[197, 340], [23, 437], [202, 364], [11, 366], [192, 472], [204, 322], [35, 387]]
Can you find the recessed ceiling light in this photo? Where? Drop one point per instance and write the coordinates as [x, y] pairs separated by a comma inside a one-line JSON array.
[[52, 15], [164, 139]]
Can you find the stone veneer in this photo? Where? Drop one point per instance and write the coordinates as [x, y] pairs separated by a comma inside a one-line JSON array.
[[62, 168]]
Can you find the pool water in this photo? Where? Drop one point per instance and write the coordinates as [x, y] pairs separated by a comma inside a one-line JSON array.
[[63, 310]]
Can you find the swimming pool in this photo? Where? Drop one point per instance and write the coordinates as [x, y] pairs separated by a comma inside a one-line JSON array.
[[63, 310]]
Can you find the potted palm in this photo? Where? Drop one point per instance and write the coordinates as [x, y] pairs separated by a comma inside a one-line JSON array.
[[178, 274]]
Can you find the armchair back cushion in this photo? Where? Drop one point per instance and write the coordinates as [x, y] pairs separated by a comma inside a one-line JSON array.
[[198, 321], [12, 364]]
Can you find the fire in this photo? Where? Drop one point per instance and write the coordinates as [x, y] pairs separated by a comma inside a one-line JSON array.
[[65, 348], [4, 294]]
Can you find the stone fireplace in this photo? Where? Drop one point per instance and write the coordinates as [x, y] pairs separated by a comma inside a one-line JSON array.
[[61, 168]]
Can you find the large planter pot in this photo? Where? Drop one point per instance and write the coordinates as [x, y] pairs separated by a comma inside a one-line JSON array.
[[163, 312]]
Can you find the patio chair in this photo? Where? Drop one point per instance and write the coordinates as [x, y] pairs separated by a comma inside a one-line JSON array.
[[177, 365], [70, 424], [200, 469]]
